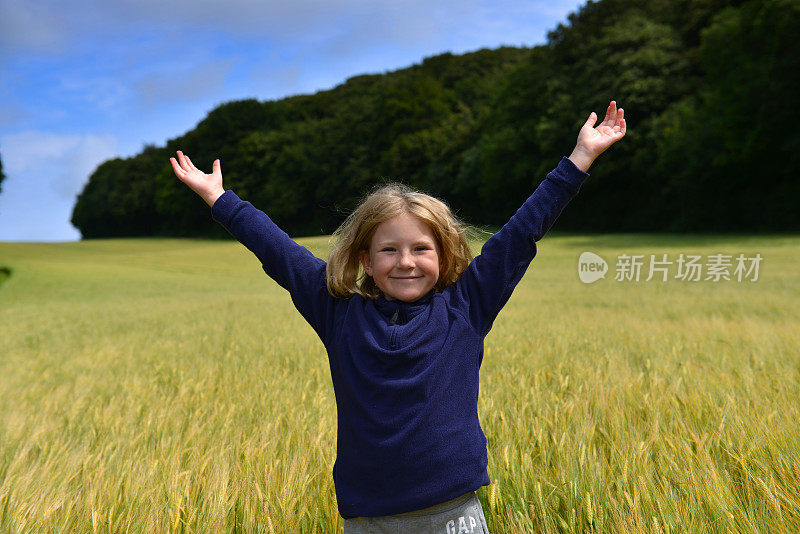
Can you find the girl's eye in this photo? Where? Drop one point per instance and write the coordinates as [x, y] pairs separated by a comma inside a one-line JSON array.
[[418, 248]]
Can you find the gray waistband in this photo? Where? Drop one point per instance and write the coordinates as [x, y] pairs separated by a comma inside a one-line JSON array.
[[441, 507]]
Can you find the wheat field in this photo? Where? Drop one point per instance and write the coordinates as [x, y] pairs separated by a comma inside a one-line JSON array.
[[163, 385]]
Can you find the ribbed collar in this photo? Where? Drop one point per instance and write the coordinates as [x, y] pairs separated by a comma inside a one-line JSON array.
[[405, 310]]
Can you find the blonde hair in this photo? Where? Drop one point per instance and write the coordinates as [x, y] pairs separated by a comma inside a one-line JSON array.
[[345, 276]]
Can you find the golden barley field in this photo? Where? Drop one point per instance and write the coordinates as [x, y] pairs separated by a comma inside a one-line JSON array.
[[164, 385]]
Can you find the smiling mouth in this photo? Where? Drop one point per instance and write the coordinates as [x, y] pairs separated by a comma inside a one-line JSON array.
[[406, 277]]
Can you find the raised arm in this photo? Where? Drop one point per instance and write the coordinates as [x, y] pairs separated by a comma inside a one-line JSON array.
[[488, 282], [291, 265]]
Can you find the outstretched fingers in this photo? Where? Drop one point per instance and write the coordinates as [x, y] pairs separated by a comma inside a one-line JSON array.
[[186, 163], [611, 113], [191, 165], [614, 121], [179, 172], [620, 117], [619, 124], [183, 161]]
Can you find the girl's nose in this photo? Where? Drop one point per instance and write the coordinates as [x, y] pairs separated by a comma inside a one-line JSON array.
[[406, 260]]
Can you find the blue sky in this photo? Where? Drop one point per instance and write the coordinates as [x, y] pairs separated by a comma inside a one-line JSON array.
[[82, 82]]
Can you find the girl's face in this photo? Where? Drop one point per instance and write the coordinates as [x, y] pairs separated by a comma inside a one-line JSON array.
[[403, 258]]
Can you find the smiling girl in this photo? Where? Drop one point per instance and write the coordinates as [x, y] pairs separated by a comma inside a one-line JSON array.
[[402, 309]]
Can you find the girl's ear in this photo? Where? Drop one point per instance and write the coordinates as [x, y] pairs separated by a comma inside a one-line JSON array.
[[365, 262]]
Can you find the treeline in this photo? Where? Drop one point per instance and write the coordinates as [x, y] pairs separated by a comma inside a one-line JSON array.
[[709, 89]]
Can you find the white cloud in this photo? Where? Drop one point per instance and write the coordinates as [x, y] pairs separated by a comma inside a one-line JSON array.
[[30, 26], [102, 92], [44, 173], [184, 83], [61, 163], [47, 24]]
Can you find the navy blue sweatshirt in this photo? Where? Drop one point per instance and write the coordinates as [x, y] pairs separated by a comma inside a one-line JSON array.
[[405, 375]]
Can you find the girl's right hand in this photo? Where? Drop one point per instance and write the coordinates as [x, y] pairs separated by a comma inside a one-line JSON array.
[[208, 186]]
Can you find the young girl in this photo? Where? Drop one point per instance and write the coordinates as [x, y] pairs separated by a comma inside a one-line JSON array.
[[405, 338]]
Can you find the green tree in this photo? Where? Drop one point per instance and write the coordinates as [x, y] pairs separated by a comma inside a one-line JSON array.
[[307, 159], [730, 153], [96, 210], [705, 85], [537, 112]]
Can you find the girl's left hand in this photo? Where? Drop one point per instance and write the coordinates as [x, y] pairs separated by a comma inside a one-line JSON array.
[[594, 141]]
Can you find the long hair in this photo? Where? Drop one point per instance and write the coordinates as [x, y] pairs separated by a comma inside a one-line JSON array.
[[345, 276]]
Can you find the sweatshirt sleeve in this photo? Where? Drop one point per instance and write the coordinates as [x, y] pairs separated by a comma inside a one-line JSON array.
[[291, 265], [487, 284]]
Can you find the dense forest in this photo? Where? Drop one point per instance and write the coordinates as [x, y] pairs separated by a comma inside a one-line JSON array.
[[709, 88]]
